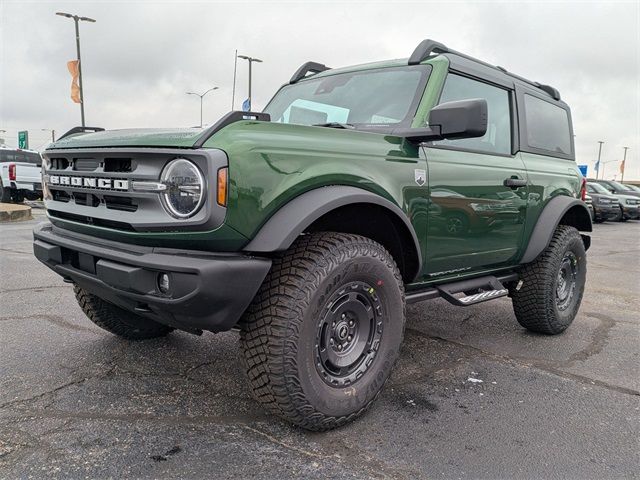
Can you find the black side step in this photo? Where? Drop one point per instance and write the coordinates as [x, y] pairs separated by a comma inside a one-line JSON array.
[[475, 290]]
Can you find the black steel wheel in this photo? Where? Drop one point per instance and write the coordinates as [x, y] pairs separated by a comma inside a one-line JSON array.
[[348, 334], [552, 285]]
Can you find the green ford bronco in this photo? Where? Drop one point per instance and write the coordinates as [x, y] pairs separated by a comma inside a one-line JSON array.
[[309, 226]]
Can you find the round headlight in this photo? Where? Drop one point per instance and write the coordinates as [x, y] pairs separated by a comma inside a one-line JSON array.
[[184, 194]]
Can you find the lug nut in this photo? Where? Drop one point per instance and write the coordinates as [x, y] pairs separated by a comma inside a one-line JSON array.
[[351, 323], [349, 338], [343, 316], [339, 346], [331, 341]]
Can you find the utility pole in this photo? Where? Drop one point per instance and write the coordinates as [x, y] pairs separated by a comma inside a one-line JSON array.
[[53, 133], [77, 19], [598, 162], [624, 164], [201, 97], [250, 60]]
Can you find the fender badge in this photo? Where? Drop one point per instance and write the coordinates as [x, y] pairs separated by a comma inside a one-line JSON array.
[[420, 176]]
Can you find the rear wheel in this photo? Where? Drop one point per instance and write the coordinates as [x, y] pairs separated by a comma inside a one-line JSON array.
[[117, 320], [553, 284], [325, 329]]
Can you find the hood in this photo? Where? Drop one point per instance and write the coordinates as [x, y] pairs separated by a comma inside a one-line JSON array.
[[135, 137], [622, 196]]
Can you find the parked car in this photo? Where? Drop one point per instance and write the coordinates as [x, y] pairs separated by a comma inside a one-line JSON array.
[[616, 187], [589, 203], [605, 205], [20, 176], [297, 226], [635, 188]]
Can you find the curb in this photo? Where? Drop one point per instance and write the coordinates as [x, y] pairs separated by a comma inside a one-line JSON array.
[[14, 213]]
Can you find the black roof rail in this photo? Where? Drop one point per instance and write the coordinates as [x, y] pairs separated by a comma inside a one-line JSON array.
[[309, 67], [228, 119], [424, 49], [75, 130], [427, 47]]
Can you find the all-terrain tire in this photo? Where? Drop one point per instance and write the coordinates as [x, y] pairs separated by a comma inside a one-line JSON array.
[[116, 320], [283, 331], [542, 305]]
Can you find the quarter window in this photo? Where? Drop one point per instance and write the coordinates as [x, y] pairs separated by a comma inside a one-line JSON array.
[[498, 136], [547, 125]]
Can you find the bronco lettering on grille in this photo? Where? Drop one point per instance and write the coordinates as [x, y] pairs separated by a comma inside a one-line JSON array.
[[89, 182]]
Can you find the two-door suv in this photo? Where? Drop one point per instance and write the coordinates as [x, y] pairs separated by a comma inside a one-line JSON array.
[[310, 225]]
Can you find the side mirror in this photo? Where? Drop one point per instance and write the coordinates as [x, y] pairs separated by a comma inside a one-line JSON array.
[[452, 120]]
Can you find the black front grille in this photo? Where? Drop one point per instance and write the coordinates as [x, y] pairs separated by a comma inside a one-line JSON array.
[[124, 204]]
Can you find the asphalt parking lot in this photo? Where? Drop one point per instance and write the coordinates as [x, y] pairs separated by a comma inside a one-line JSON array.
[[78, 402]]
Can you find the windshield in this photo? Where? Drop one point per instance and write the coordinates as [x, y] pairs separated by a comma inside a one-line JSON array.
[[618, 187], [384, 96], [597, 188], [632, 187]]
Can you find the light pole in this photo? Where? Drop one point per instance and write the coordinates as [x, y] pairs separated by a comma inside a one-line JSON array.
[[53, 133], [201, 97], [598, 162], [250, 60], [77, 19], [624, 163]]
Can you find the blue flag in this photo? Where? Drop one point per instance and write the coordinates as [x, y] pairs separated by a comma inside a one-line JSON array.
[[597, 167], [246, 105]]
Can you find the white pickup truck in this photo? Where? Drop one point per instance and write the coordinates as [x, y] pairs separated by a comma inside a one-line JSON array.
[[20, 176]]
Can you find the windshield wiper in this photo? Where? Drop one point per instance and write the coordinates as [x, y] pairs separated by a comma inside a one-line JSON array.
[[334, 125]]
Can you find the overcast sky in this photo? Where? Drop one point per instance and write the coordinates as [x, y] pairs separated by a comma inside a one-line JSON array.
[[140, 58]]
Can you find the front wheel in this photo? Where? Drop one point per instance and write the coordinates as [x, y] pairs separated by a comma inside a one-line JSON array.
[[553, 284], [325, 329]]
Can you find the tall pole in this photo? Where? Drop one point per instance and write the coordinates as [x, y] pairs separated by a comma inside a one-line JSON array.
[[77, 19], [599, 153], [235, 69], [201, 95], [250, 60], [624, 163]]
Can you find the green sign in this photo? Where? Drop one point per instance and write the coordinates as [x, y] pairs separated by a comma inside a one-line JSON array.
[[23, 139]]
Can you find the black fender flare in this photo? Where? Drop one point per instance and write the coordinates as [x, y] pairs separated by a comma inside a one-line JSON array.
[[280, 231], [549, 220]]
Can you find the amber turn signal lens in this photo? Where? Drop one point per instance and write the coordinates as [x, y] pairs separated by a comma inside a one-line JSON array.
[[222, 187]]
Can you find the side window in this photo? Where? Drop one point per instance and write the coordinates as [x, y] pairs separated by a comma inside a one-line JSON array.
[[547, 125], [498, 136]]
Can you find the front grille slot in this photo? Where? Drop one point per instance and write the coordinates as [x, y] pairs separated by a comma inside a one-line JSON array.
[[118, 165], [59, 163], [120, 203], [86, 199], [85, 164], [60, 195], [91, 220]]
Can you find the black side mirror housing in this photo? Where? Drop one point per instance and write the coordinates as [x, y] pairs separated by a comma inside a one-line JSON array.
[[451, 120]]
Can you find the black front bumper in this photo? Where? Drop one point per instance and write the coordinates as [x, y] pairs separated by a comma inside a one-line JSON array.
[[208, 291]]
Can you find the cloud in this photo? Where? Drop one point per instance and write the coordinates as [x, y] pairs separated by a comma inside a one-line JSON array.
[[140, 58]]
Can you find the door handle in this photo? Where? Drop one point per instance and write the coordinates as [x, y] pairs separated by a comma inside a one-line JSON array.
[[514, 182]]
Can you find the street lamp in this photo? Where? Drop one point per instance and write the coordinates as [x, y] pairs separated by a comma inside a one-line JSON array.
[[53, 133], [201, 97], [77, 19], [250, 60], [624, 162], [598, 162]]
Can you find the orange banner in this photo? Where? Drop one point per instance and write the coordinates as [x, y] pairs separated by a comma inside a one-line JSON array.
[[622, 166], [75, 88]]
